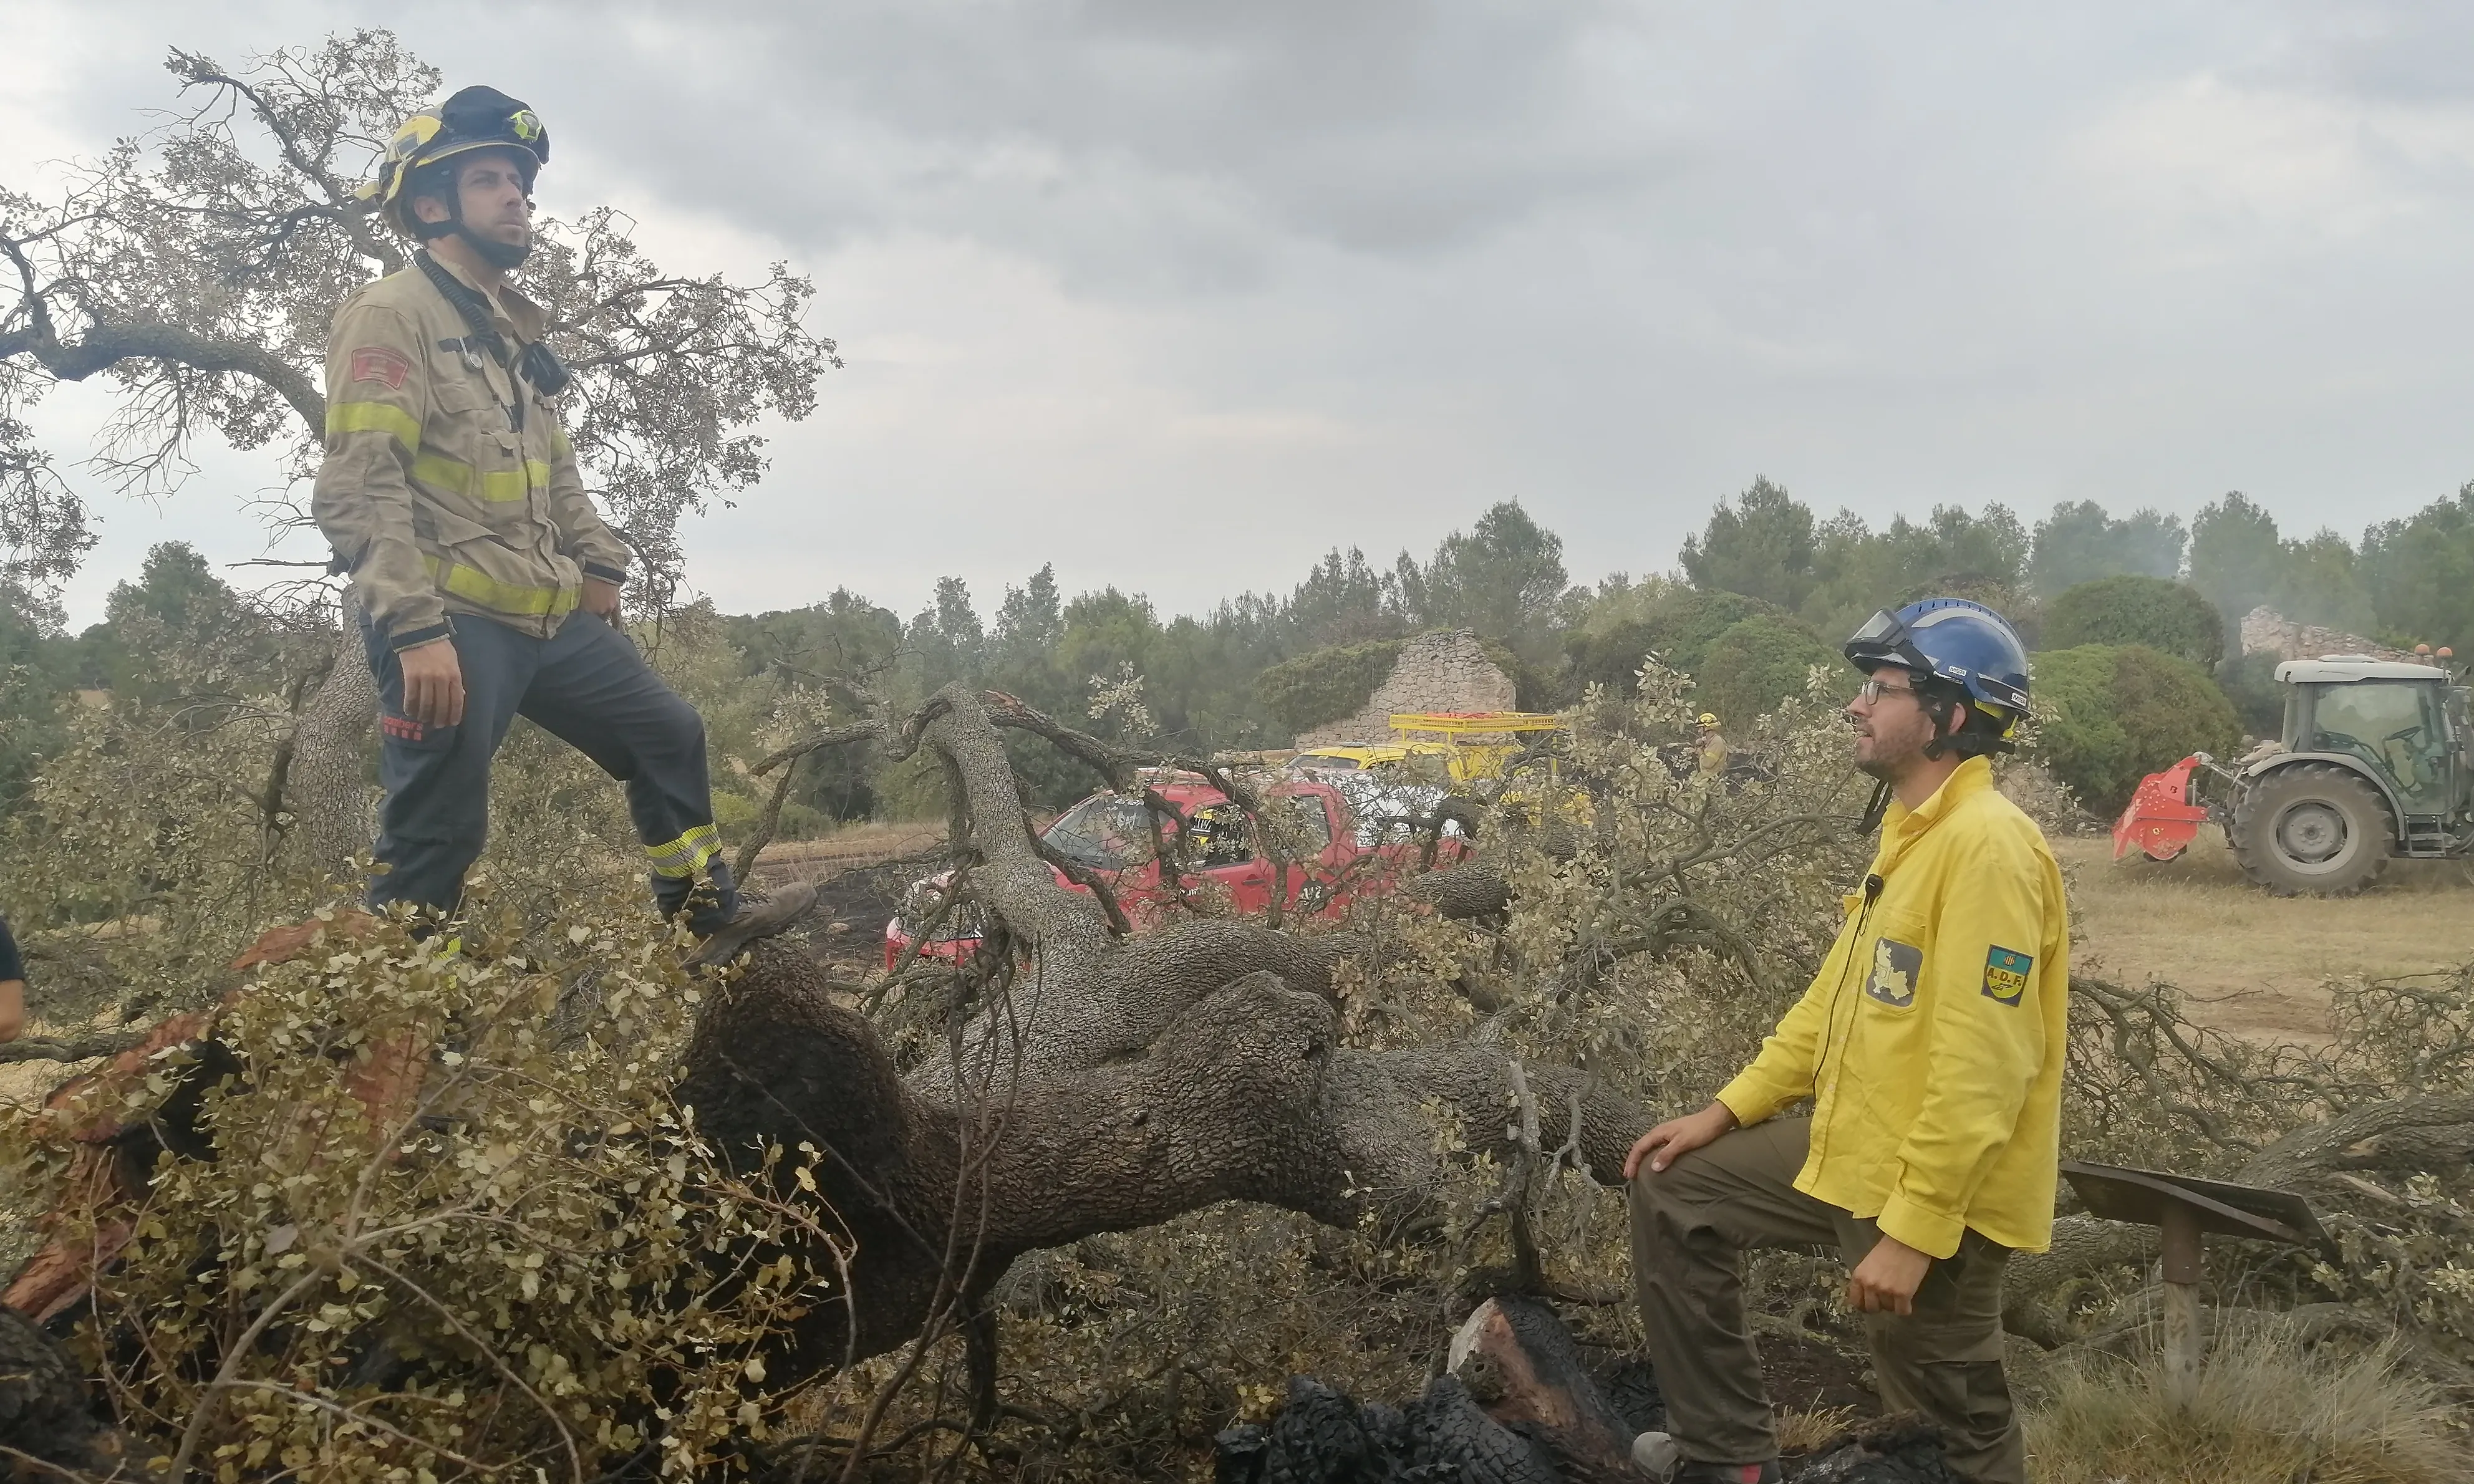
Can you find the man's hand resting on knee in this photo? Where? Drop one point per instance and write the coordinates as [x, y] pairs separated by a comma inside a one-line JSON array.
[[1676, 1137], [433, 683], [1886, 1280]]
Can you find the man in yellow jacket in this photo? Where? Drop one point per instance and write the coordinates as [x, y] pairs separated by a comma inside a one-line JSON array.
[[1930, 1047]]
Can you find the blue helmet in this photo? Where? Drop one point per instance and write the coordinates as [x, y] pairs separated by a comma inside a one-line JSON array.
[[1953, 640]]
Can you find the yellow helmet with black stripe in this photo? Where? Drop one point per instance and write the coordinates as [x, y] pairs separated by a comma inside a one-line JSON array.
[[474, 118]]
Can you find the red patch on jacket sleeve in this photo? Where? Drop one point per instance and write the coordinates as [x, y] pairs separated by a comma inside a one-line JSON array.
[[381, 363]]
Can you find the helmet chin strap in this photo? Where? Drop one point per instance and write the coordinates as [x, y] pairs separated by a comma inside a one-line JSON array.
[[501, 256], [504, 257]]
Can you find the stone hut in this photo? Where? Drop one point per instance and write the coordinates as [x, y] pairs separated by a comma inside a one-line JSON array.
[[2266, 631], [1444, 670]]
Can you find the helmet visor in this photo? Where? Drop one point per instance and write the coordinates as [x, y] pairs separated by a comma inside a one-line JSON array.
[[1879, 629]]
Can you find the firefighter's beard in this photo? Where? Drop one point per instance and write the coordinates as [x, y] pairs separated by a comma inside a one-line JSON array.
[[505, 257], [1890, 748]]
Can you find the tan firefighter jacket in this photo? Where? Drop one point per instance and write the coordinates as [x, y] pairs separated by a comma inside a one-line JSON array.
[[430, 494]]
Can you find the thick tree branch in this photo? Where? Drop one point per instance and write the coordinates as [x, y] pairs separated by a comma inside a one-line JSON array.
[[106, 346]]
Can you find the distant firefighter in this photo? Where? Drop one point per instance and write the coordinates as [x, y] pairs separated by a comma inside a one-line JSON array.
[[1708, 746]]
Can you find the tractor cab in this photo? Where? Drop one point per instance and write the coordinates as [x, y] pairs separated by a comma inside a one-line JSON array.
[[2373, 764], [2403, 723]]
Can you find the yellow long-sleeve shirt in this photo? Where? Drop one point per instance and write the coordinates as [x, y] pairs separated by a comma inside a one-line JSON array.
[[1931, 1041]]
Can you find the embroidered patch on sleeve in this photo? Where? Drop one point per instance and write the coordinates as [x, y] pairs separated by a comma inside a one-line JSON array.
[[382, 364], [2005, 975]]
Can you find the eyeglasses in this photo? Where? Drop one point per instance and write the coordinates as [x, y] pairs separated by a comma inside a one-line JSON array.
[[1873, 690]]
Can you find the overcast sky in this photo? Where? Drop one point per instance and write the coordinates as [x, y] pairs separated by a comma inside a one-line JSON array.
[[1179, 295]]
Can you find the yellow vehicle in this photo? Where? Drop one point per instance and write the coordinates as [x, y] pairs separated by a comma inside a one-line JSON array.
[[1461, 746], [1482, 744], [1364, 757]]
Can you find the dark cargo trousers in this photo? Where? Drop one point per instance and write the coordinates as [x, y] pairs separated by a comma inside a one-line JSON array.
[[585, 685], [1690, 1224]]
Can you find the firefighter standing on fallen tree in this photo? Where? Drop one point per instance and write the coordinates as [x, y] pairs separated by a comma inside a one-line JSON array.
[[1931, 1044], [489, 585]]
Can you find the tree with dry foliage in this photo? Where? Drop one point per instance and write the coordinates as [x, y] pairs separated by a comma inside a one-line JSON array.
[[195, 268]]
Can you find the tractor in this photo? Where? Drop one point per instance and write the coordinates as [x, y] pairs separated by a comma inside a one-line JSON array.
[[2376, 762]]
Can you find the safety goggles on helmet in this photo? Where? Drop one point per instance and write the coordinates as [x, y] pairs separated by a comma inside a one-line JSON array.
[[474, 118], [1950, 638]]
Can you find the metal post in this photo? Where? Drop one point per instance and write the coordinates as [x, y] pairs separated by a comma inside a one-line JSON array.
[[2184, 1343]]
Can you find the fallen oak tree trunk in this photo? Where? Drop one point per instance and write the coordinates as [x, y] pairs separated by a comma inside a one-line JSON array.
[[1131, 1080]]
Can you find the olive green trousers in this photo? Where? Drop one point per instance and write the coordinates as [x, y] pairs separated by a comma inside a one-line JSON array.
[[1691, 1225]]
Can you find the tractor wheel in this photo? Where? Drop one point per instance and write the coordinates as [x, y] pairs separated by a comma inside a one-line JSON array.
[[2312, 829]]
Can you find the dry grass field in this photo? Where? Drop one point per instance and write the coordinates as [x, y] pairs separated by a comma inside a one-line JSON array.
[[2248, 962], [853, 844]]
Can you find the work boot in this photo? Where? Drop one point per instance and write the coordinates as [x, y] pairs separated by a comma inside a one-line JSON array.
[[725, 940], [1659, 1456]]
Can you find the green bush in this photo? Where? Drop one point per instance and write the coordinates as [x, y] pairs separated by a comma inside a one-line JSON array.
[[1756, 663], [1325, 684], [2259, 701], [2169, 616], [2111, 715], [1679, 627]]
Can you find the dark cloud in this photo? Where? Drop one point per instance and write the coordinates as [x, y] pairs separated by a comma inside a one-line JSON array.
[[1251, 280]]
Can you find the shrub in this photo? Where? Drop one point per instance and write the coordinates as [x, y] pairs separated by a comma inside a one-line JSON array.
[[1679, 627], [1760, 662], [2169, 616], [1325, 684], [531, 1230], [2259, 701], [2109, 716]]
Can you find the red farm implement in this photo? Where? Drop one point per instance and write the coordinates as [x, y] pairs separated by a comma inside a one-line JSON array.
[[2162, 818]]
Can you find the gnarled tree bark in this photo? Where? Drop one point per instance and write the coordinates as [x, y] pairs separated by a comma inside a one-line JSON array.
[[1126, 1081], [325, 791]]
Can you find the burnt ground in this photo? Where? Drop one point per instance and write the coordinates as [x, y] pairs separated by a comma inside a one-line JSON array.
[[1805, 1373], [1815, 1376], [1490, 1429], [853, 904]]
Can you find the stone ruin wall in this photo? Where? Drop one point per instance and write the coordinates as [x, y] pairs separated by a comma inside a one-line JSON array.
[[1439, 671], [2266, 631]]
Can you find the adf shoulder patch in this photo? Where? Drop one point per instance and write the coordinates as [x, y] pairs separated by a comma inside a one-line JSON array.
[[2005, 975]]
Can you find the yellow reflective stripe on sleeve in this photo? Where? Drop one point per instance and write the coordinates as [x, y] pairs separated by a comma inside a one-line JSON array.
[[372, 416], [503, 487], [479, 587], [559, 443], [682, 857]]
